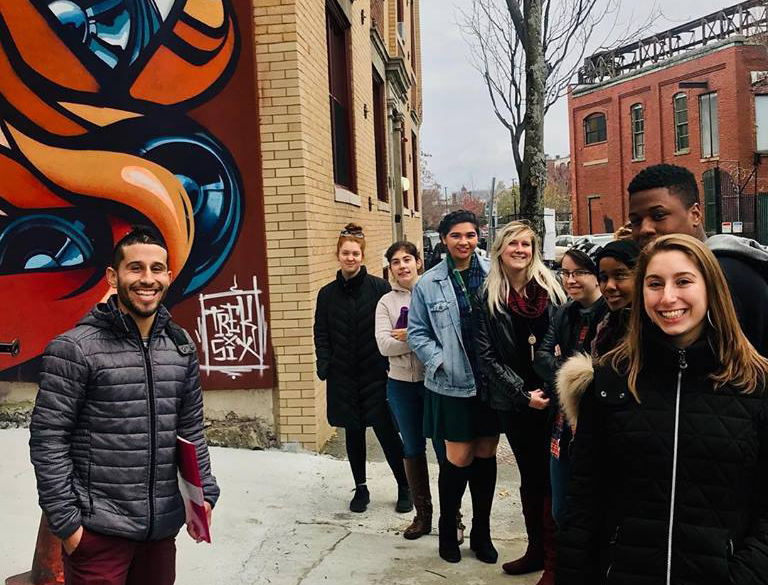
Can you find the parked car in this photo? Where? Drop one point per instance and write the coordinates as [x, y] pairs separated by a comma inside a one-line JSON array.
[[599, 239], [562, 243]]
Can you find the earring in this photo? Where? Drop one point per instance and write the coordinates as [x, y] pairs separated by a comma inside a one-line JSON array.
[[709, 318]]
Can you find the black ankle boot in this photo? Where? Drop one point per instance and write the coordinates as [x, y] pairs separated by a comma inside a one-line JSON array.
[[404, 500], [361, 499], [482, 485], [452, 482]]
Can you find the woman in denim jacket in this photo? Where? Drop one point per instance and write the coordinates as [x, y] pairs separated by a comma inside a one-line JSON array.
[[440, 334]]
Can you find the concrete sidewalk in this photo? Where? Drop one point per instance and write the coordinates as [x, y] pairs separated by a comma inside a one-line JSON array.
[[283, 519]]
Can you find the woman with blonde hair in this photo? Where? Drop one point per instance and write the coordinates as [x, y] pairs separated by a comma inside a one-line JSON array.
[[517, 304], [669, 466]]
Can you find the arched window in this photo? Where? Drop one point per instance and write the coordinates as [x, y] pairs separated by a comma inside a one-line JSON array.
[[594, 129], [680, 103], [638, 131]]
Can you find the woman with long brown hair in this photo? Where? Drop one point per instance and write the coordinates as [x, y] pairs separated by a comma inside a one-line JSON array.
[[669, 466]]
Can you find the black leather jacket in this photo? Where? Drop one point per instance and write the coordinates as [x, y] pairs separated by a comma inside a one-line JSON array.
[[497, 352], [104, 427]]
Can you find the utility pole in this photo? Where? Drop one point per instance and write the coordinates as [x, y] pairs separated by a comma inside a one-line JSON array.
[[492, 214]]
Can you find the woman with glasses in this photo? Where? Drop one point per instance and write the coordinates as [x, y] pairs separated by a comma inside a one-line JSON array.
[[349, 361], [669, 468], [518, 301], [615, 263], [441, 334], [571, 330]]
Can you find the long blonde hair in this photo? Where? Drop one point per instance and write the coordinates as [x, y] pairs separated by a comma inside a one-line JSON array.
[[497, 284], [741, 365]]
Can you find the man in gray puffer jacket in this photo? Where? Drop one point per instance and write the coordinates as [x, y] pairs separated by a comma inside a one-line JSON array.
[[114, 394]]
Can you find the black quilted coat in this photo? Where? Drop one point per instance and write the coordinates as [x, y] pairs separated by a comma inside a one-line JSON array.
[[347, 355], [650, 495], [104, 427]]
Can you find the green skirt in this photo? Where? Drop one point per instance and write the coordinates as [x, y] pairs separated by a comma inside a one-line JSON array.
[[451, 418]]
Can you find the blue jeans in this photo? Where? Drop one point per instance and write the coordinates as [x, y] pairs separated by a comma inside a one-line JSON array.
[[406, 401], [559, 470]]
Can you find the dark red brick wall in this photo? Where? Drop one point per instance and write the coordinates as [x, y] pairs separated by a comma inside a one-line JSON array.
[[606, 168]]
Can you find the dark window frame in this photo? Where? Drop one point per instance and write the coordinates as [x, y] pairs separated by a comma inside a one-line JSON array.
[[380, 135], [711, 148], [597, 132], [340, 97], [682, 128], [415, 170], [637, 121], [403, 168]]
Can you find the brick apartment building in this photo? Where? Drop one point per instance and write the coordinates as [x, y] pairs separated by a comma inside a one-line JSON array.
[[250, 133], [692, 96], [340, 105]]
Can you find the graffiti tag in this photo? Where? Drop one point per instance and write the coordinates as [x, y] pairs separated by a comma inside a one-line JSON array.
[[232, 329]]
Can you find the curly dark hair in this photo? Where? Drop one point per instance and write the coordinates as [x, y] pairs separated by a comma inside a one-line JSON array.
[[456, 217], [678, 180]]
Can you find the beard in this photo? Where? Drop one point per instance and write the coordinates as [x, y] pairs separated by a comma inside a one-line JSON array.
[[123, 294]]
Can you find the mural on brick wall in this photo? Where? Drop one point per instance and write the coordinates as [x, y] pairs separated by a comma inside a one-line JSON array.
[[115, 112]]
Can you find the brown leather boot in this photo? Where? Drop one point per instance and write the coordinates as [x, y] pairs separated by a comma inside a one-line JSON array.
[[533, 559], [418, 479], [548, 530]]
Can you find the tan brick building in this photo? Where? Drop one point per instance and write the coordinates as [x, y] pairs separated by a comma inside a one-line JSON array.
[[339, 85]]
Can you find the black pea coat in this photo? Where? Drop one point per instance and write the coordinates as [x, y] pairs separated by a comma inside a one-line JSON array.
[[348, 358], [674, 487]]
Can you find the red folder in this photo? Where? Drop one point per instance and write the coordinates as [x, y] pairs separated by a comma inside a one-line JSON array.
[[191, 487]]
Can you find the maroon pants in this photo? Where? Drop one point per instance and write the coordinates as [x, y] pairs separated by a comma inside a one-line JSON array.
[[110, 560]]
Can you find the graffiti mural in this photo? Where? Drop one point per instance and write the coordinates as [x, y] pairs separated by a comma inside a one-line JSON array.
[[115, 112]]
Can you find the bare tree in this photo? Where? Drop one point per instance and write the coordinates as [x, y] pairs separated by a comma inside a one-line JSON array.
[[528, 52]]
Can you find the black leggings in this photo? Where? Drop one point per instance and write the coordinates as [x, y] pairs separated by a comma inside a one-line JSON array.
[[528, 435], [390, 441]]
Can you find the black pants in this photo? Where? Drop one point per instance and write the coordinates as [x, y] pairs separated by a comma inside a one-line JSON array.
[[390, 442], [528, 434]]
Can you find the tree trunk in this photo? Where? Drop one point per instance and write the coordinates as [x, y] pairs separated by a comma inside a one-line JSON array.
[[534, 159]]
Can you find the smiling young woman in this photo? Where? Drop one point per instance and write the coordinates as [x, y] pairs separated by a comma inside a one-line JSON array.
[[356, 373], [518, 301], [668, 466]]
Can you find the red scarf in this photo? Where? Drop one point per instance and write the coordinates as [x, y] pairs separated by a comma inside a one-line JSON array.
[[533, 304]]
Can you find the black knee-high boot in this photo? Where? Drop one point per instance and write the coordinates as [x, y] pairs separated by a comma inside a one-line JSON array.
[[482, 485], [451, 483]]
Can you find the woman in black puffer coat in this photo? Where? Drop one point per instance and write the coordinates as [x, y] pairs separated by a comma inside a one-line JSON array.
[[669, 465], [348, 359]]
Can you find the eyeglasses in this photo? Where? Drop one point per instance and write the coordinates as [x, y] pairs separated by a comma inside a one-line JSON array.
[[566, 274], [353, 234]]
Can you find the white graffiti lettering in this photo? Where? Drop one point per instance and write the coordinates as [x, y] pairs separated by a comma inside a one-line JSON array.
[[232, 329]]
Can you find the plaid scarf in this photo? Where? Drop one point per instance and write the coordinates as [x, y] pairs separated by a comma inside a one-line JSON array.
[[465, 293], [533, 304]]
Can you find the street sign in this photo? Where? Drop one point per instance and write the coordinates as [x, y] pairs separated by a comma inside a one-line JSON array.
[[738, 227], [726, 227]]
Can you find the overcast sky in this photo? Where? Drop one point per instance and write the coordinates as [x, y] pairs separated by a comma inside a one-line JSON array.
[[467, 143]]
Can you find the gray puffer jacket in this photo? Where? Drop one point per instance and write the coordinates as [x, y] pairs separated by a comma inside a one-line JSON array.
[[104, 427]]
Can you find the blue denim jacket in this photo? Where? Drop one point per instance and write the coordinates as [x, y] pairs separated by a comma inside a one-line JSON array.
[[434, 333]]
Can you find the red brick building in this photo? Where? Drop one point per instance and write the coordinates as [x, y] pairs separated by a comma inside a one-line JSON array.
[[679, 98]]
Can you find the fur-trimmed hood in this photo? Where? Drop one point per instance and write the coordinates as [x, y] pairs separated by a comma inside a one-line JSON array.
[[573, 379]]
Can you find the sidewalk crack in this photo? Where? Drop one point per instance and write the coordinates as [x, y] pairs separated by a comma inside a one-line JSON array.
[[317, 563]]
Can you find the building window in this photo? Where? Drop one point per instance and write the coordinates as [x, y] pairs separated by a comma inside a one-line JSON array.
[[710, 130], [680, 102], [594, 129], [380, 135], [761, 122], [638, 131], [404, 168], [340, 97], [415, 168]]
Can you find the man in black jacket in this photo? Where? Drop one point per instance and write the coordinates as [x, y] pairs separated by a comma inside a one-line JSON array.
[[114, 394], [664, 199]]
